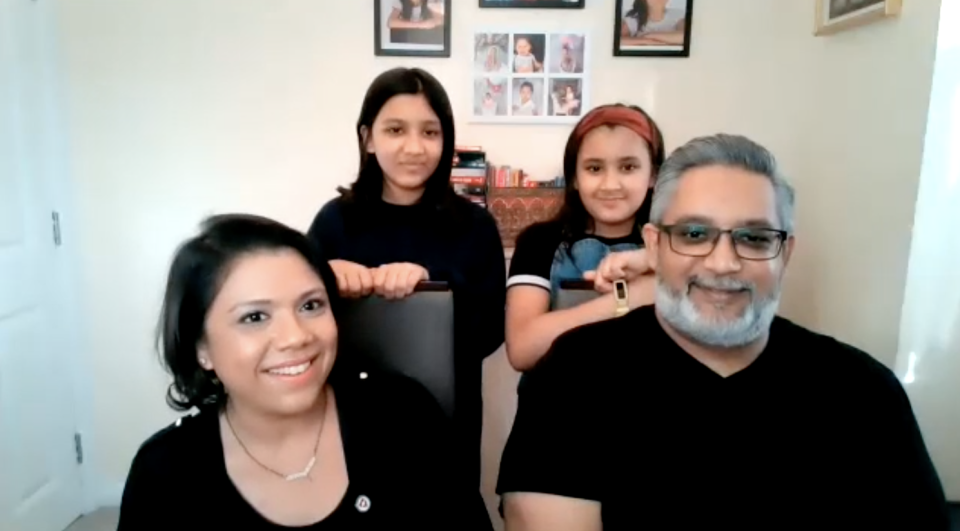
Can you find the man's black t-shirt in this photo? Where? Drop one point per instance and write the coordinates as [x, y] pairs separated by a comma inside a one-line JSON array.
[[815, 434], [397, 449]]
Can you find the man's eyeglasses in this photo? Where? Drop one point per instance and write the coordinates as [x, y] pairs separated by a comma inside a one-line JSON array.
[[749, 243]]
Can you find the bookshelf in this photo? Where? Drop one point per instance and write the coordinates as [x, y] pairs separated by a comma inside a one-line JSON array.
[[515, 201]]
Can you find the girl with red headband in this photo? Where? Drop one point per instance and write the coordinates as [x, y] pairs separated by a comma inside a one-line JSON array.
[[610, 164]]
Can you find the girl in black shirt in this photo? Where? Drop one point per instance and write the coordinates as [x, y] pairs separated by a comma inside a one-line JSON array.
[[400, 223], [286, 436], [610, 165]]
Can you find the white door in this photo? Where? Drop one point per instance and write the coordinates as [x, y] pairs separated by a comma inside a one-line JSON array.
[[39, 472]]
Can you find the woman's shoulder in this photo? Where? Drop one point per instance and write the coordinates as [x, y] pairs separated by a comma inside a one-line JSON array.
[[173, 447], [384, 393]]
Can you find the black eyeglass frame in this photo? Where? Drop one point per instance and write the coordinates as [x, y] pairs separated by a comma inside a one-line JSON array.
[[782, 236]]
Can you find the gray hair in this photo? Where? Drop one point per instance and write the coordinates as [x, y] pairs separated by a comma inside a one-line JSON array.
[[722, 150]]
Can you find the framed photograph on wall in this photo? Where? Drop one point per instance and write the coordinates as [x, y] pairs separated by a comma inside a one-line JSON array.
[[412, 27], [529, 76], [652, 28], [547, 4], [839, 15]]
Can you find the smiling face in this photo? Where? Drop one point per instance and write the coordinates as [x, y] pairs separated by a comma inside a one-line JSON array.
[[269, 334], [614, 172], [719, 299], [407, 140]]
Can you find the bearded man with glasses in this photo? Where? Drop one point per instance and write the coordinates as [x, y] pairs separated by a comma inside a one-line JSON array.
[[707, 410]]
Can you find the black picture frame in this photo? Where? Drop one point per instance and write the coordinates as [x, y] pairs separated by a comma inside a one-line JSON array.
[[528, 4], [683, 51], [380, 50]]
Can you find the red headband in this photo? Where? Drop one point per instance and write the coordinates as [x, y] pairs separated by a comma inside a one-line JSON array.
[[623, 116]]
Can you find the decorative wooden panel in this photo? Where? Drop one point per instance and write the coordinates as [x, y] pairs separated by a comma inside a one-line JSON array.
[[517, 208]]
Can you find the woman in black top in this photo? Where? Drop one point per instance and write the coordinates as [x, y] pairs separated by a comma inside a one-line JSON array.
[[400, 222], [284, 438]]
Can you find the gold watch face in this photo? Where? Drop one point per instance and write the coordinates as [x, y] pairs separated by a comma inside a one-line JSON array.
[[620, 290]]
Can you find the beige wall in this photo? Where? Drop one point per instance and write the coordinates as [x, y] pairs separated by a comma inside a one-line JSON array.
[[179, 108]]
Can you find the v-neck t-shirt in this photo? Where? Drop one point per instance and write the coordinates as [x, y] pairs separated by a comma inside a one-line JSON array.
[[396, 445], [814, 434]]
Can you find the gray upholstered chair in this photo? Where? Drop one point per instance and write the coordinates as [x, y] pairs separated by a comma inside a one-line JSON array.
[[412, 336]]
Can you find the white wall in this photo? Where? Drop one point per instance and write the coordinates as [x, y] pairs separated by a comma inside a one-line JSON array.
[[180, 108], [929, 354]]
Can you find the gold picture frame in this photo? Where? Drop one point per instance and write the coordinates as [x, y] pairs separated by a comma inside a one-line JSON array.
[[834, 16]]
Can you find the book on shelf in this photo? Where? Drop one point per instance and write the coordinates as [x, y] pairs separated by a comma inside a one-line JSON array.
[[469, 174]]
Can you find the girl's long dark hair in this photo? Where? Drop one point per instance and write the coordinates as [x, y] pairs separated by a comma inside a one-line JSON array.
[[406, 10], [573, 217], [641, 12], [367, 190]]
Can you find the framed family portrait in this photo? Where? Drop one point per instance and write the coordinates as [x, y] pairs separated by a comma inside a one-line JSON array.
[[839, 15], [548, 4], [652, 28], [529, 76], [412, 27]]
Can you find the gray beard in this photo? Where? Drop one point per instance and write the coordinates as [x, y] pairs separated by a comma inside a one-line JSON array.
[[681, 313]]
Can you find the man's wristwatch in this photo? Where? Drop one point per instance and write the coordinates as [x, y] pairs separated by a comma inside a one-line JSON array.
[[620, 293]]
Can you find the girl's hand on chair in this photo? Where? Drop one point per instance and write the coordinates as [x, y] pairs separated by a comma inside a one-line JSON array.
[[396, 281], [353, 280]]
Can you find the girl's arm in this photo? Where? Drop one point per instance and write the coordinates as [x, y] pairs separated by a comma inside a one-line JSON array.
[[670, 37], [532, 327]]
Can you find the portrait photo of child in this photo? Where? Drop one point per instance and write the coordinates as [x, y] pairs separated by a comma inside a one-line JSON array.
[[540, 4], [653, 27], [412, 27], [566, 53], [527, 97], [490, 97], [491, 53], [528, 51], [565, 97]]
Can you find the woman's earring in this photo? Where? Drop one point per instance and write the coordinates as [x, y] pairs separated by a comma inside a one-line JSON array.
[[205, 363]]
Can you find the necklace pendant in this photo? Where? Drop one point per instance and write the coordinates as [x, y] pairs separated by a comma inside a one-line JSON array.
[[304, 474]]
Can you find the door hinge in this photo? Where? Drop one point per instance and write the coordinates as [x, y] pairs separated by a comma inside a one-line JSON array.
[[78, 447], [56, 228]]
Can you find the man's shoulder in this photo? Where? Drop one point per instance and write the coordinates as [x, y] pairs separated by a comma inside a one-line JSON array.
[[821, 350]]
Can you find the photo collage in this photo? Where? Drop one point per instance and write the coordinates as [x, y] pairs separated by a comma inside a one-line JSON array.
[[529, 77]]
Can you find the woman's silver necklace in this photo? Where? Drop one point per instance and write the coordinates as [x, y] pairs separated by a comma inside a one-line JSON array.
[[303, 474]]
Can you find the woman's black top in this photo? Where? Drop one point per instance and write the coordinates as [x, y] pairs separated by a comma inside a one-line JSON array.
[[458, 244], [397, 451]]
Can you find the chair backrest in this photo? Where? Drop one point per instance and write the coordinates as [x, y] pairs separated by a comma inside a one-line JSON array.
[[574, 293], [412, 336]]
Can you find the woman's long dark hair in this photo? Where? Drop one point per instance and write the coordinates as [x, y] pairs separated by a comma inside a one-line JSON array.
[[641, 12], [198, 271], [573, 217], [368, 188], [406, 10]]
